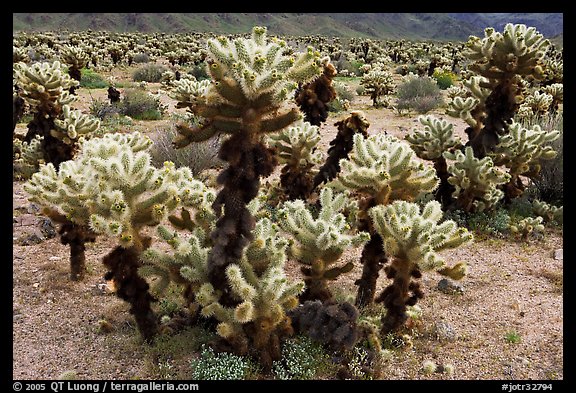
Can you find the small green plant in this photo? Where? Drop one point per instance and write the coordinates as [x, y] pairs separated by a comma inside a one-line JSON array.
[[92, 80], [149, 73], [444, 78], [512, 337], [219, 366], [302, 358], [420, 94], [140, 105]]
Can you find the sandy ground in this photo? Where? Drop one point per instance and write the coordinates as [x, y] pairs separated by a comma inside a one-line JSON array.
[[511, 287]]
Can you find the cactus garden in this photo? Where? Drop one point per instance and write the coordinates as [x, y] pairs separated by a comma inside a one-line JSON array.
[[259, 206]]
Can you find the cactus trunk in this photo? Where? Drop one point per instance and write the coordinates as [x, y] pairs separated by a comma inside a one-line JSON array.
[[445, 190], [241, 180], [123, 264]]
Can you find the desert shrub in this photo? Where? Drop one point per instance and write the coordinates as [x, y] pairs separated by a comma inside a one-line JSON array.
[[444, 79], [199, 72], [420, 94], [219, 366], [353, 67], [141, 58], [198, 156], [302, 358], [343, 95], [549, 185], [102, 109], [149, 73], [92, 80], [360, 90], [494, 222], [140, 105]]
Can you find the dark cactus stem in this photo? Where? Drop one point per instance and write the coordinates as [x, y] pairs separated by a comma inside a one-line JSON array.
[[513, 189], [373, 259], [444, 192], [123, 264], [500, 108], [340, 147], [76, 236], [113, 94], [316, 288], [54, 150], [296, 182], [248, 161], [313, 97], [76, 75], [17, 110], [398, 295]]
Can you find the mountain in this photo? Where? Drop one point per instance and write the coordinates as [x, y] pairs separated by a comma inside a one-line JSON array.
[[412, 26], [548, 24]]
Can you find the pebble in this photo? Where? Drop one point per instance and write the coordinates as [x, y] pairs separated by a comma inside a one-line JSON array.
[[54, 258], [559, 254], [450, 287]]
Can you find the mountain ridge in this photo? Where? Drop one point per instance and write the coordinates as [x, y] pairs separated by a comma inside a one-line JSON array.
[[411, 26]]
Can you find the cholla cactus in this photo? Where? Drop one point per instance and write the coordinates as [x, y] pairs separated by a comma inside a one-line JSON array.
[[76, 59], [527, 227], [296, 149], [385, 168], [429, 144], [313, 97], [320, 242], [27, 158], [471, 106], [381, 169], [475, 180], [413, 239], [188, 92], [341, 145], [436, 138], [253, 79], [257, 320], [74, 125], [548, 212], [502, 58], [521, 151], [44, 86], [378, 83], [538, 103], [111, 189], [556, 90]]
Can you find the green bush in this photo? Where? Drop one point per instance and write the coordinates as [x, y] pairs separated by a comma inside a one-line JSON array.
[[420, 94], [199, 72], [91, 80], [140, 105], [444, 79], [149, 73], [141, 58], [343, 94]]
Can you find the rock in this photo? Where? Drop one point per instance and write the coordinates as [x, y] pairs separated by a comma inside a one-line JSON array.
[[29, 240], [450, 287], [559, 254], [46, 227], [443, 331]]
